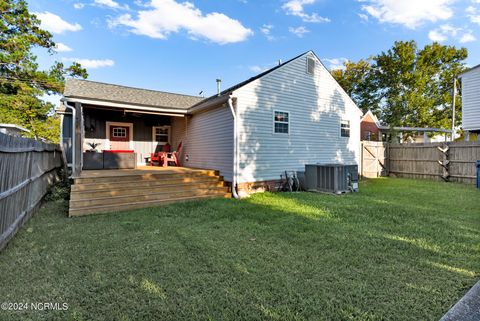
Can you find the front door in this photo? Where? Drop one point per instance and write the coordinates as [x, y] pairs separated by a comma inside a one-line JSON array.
[[119, 137]]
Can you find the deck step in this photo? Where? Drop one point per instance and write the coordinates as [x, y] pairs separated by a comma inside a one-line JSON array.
[[82, 211], [149, 196], [142, 190], [144, 184], [120, 190], [150, 176]]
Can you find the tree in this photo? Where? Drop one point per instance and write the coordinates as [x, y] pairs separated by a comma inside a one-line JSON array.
[[21, 82], [406, 86], [358, 81]]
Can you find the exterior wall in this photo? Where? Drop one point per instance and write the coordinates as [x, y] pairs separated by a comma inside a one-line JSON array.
[[316, 104], [179, 135], [209, 141], [67, 123], [471, 100], [369, 125]]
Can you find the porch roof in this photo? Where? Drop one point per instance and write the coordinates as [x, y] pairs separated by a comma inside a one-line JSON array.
[[116, 94]]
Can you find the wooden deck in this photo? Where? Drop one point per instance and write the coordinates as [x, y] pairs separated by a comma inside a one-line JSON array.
[[101, 191]]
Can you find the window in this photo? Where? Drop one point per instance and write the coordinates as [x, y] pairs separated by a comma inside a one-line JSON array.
[[368, 135], [161, 134], [345, 128], [281, 122], [310, 65], [120, 132]]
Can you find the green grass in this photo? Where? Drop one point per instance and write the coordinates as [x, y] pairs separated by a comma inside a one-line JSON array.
[[398, 250]]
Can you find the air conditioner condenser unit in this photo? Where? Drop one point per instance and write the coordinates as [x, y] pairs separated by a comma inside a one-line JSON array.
[[331, 178]]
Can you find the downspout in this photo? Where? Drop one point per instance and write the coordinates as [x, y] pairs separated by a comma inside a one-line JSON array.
[[235, 142]]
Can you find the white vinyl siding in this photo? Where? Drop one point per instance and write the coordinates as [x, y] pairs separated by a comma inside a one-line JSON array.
[[471, 100], [316, 105], [210, 141]]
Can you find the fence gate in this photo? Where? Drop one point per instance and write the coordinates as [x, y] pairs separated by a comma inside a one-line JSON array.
[[374, 159]]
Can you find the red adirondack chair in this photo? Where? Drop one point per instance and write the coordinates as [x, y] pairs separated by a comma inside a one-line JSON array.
[[173, 157], [157, 157]]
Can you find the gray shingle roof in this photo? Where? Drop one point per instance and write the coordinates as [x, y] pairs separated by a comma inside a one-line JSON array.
[[75, 88]]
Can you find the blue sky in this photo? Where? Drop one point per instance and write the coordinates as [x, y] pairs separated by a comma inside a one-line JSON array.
[[179, 46]]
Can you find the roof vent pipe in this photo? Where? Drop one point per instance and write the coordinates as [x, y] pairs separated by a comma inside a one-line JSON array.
[[219, 82], [279, 62]]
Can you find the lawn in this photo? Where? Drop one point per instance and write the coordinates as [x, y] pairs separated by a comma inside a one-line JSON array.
[[398, 250]]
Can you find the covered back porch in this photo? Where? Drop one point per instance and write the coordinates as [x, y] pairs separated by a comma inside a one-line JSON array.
[[120, 124]]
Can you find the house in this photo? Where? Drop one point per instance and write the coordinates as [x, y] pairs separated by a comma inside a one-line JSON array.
[[372, 130], [291, 115], [12, 129], [471, 101]]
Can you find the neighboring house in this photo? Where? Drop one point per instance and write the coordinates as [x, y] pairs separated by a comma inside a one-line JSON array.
[[291, 115], [471, 101], [12, 129], [372, 130]]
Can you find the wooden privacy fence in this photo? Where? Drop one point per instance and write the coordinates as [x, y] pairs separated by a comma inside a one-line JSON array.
[[27, 169], [450, 161]]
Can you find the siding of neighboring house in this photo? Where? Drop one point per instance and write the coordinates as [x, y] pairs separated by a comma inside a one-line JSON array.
[[316, 104], [369, 129], [471, 100], [210, 141]]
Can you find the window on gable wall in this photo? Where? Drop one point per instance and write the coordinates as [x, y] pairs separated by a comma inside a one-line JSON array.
[[345, 128], [281, 122]]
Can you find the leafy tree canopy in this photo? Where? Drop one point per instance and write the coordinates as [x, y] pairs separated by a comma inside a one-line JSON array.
[[21, 81], [407, 86]]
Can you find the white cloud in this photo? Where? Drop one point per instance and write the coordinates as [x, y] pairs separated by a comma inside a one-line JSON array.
[[110, 3], [299, 32], [446, 32], [55, 24], [79, 5], [61, 47], [409, 13], [436, 35], [472, 13], [256, 69], [363, 16], [92, 63], [467, 37], [335, 63], [163, 17], [296, 8], [266, 29]]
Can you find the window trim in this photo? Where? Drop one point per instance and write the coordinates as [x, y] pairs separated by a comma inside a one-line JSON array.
[[349, 128], [154, 135], [281, 122]]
